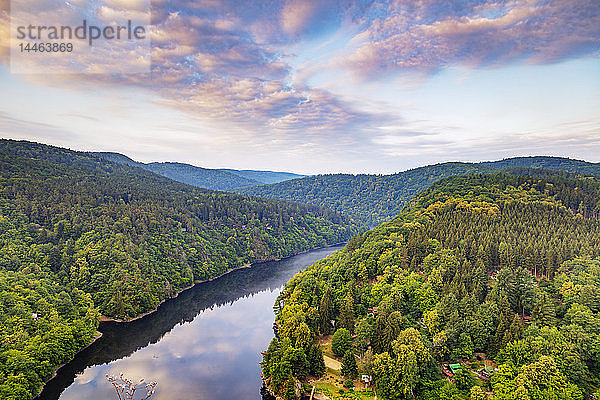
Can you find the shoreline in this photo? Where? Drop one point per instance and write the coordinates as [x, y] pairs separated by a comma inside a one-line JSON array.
[[104, 318], [97, 335]]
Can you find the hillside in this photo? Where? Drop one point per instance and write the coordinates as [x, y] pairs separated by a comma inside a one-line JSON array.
[[264, 177], [213, 179], [479, 270], [80, 234], [552, 163], [378, 198]]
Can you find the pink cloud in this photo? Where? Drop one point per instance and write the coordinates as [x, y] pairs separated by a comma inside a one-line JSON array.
[[296, 14], [427, 37], [228, 62]]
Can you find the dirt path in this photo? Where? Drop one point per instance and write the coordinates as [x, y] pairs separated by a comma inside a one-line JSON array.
[[331, 363]]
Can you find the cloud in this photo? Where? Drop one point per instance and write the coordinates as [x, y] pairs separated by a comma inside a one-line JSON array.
[[427, 36], [216, 68], [231, 63], [272, 107], [25, 129], [580, 139], [235, 65], [295, 16], [104, 57]]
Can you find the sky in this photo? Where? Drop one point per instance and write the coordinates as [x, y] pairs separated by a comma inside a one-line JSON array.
[[316, 86]]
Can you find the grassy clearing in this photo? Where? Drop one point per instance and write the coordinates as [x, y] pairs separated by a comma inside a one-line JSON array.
[[332, 383]]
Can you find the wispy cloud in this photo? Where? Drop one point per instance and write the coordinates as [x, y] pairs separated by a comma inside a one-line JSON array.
[[581, 139], [26, 129], [428, 36], [215, 60], [234, 65]]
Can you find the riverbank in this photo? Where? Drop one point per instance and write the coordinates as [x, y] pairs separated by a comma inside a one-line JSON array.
[[104, 318], [97, 335], [248, 295]]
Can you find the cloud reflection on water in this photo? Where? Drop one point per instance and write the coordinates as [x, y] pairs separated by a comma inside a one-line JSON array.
[[205, 344]]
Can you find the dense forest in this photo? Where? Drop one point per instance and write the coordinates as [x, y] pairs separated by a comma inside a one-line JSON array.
[[264, 177], [499, 273], [378, 198], [213, 179], [80, 235], [201, 177], [546, 162], [42, 325], [483, 287]]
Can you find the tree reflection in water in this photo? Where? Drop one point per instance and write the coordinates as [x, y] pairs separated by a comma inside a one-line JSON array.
[[253, 290]]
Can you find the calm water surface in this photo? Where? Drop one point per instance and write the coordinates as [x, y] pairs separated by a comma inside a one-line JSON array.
[[204, 344]]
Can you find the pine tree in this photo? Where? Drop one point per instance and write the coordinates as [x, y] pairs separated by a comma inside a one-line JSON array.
[[347, 314], [316, 363], [544, 312], [326, 311], [392, 329], [349, 367]]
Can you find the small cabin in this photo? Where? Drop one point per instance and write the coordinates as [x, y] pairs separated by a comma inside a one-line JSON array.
[[455, 368]]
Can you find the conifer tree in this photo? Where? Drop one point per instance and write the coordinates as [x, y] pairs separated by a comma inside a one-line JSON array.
[[349, 367], [347, 314]]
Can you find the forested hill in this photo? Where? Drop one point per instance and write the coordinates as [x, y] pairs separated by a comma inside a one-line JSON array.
[[150, 227], [79, 233], [213, 179], [263, 177], [498, 264], [378, 198], [545, 162]]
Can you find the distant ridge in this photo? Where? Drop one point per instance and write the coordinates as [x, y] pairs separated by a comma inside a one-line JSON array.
[[547, 162], [372, 199], [264, 177], [378, 198], [213, 179]]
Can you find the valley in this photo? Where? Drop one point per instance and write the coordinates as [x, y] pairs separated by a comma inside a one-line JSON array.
[[485, 275], [300, 200]]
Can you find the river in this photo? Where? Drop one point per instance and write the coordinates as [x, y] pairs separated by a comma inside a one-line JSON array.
[[203, 344]]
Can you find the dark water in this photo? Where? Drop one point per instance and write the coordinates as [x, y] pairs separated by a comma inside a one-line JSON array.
[[204, 344]]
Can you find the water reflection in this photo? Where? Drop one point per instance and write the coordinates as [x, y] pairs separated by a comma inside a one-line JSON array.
[[205, 344]]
